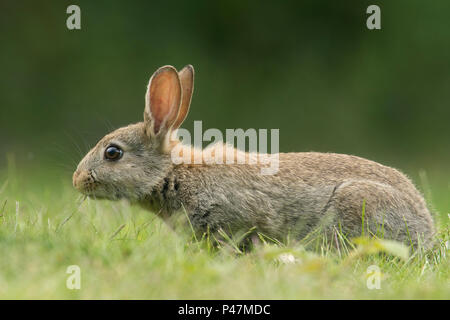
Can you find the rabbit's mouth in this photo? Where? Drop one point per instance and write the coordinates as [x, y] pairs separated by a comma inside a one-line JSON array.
[[85, 181]]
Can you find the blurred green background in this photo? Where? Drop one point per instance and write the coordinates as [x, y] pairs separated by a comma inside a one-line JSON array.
[[310, 68]]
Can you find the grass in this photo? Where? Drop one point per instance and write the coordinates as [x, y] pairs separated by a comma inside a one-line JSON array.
[[125, 252]]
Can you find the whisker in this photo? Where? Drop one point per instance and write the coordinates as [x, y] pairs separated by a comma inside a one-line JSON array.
[[72, 139]]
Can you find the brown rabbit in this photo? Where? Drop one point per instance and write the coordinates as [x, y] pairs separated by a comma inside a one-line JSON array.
[[310, 190]]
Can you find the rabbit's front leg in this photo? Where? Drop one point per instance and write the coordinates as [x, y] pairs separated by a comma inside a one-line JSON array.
[[214, 221]]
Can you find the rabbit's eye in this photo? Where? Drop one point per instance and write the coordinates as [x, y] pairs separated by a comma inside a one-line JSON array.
[[113, 153]]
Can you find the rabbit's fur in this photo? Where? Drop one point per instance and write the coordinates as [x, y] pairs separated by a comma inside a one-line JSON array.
[[310, 191]]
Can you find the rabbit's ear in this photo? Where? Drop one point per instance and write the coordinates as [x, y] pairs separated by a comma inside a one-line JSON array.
[[187, 85], [162, 101]]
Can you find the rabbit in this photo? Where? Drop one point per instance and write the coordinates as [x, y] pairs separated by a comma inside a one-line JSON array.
[[311, 191]]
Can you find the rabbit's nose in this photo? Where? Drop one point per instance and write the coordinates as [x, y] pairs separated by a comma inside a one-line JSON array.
[[84, 181], [78, 178], [76, 174]]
